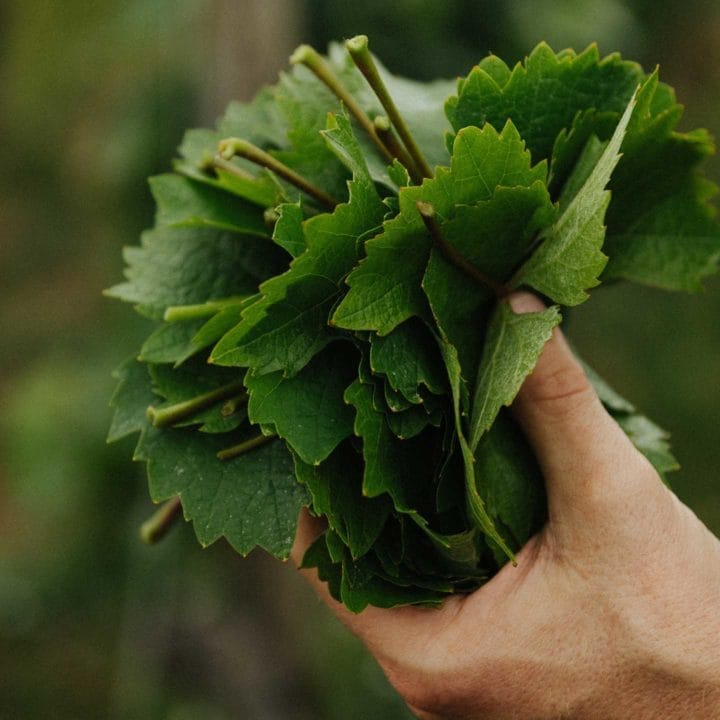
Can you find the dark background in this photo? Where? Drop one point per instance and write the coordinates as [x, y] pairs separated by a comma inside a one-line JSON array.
[[95, 97]]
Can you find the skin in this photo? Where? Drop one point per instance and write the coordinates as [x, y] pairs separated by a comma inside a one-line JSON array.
[[613, 610]]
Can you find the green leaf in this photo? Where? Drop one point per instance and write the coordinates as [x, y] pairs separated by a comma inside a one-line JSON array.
[[650, 440], [509, 480], [674, 246], [336, 489], [385, 289], [476, 507], [307, 409], [391, 466], [288, 232], [512, 348], [543, 94], [253, 500], [289, 325], [220, 323], [494, 235], [408, 357], [361, 587], [304, 102], [194, 378], [662, 229], [409, 423], [184, 266], [569, 260], [171, 342], [131, 399], [182, 202]]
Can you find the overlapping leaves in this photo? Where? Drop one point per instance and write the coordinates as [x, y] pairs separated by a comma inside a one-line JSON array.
[[358, 360]]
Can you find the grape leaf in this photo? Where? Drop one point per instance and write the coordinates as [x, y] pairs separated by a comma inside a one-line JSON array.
[[251, 500], [336, 489], [509, 480], [493, 235], [131, 399], [288, 232], [409, 358], [183, 266], [288, 326], [391, 465], [179, 384], [543, 94], [650, 440], [476, 506], [512, 347], [385, 289], [306, 409], [182, 202], [569, 260], [171, 342]]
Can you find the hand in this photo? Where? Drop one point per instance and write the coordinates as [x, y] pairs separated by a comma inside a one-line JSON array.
[[613, 610]]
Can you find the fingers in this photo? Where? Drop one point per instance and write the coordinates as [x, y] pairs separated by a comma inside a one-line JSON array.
[[579, 446]]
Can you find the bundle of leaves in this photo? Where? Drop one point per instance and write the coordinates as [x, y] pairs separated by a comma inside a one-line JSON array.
[[329, 272]]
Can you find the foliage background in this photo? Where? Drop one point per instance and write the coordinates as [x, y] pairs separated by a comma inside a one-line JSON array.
[[95, 97]]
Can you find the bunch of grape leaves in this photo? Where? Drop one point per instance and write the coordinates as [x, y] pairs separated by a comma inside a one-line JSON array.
[[328, 277]]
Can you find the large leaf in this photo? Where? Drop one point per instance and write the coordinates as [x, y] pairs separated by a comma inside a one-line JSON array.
[[251, 500], [184, 266], [543, 94]]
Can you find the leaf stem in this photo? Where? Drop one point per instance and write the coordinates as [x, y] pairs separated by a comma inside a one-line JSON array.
[[429, 216], [159, 523], [235, 146], [173, 414], [388, 136], [232, 405], [311, 59], [245, 446], [230, 168], [358, 49], [180, 313]]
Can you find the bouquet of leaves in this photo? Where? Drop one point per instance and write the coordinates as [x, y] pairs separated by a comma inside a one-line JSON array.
[[329, 273]]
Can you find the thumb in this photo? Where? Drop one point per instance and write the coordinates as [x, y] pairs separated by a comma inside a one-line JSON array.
[[582, 451]]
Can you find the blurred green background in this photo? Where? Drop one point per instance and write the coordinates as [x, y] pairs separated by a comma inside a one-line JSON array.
[[95, 97]]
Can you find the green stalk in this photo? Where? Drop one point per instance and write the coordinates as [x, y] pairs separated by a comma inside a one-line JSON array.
[[159, 523], [222, 164], [173, 414], [235, 146], [429, 216], [358, 49], [390, 139], [180, 313], [311, 59], [245, 446], [232, 405]]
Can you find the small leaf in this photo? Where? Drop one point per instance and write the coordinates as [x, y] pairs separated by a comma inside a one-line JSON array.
[[182, 202], [512, 347], [131, 399], [409, 358], [307, 409], [569, 260]]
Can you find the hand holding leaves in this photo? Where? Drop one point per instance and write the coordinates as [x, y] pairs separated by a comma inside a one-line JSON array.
[[332, 309]]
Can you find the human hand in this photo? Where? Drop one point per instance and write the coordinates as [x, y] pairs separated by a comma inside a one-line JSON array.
[[613, 610]]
